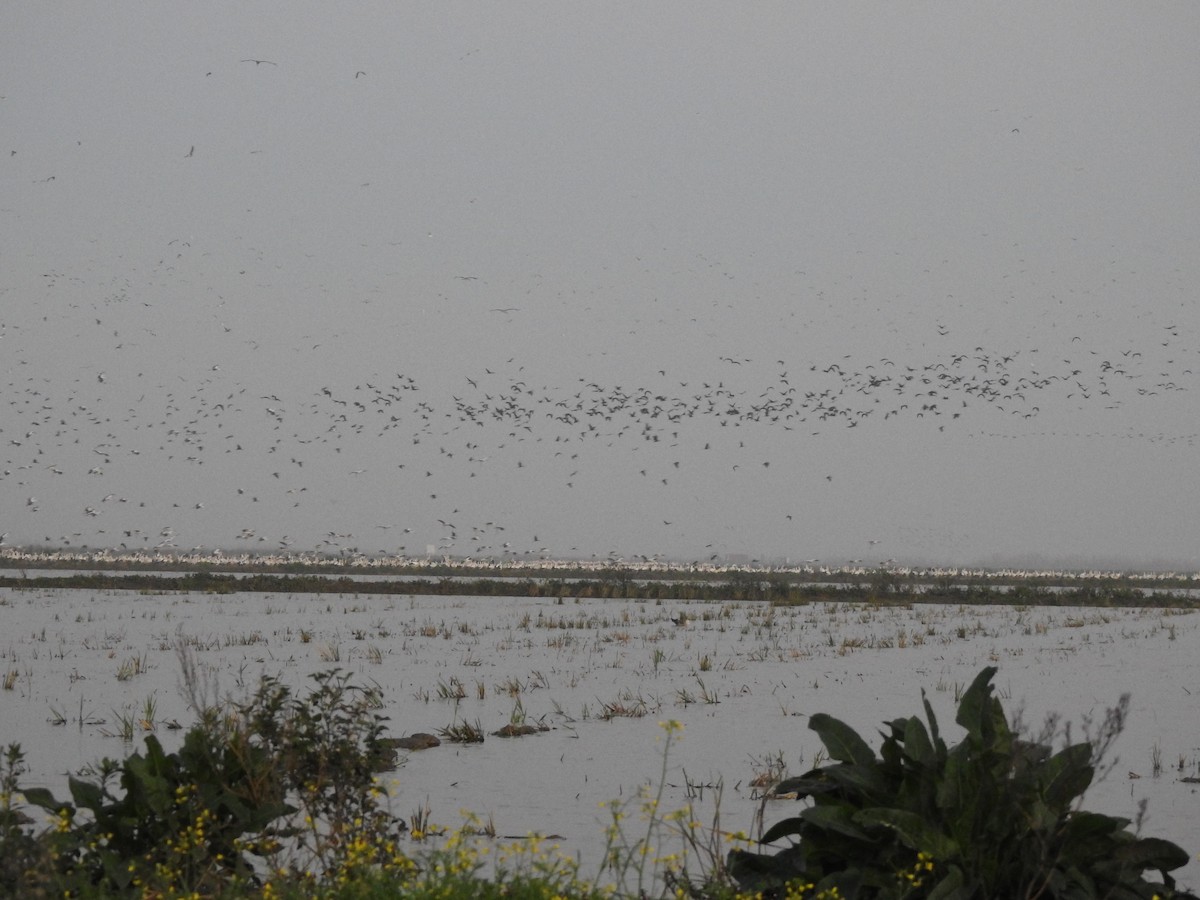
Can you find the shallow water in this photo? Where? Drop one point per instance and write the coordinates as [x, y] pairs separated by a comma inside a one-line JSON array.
[[765, 669]]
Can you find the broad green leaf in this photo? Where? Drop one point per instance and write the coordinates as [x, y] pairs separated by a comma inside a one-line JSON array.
[[43, 798], [155, 756], [863, 782], [933, 725], [783, 828], [86, 794], [896, 727], [760, 871], [917, 745], [1088, 828], [1067, 774], [973, 708], [890, 752], [841, 741], [141, 781], [1152, 853], [806, 785], [839, 819], [913, 830], [950, 790], [1001, 735]]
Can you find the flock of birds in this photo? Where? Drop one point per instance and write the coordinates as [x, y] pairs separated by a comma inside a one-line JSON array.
[[130, 448], [235, 450]]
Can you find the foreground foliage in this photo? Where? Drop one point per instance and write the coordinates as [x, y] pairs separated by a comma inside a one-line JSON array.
[[274, 783], [277, 796], [992, 817]]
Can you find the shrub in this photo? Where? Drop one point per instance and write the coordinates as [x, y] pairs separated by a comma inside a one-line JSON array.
[[992, 817], [272, 783]]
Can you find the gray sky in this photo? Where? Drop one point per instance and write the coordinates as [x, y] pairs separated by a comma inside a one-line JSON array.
[[816, 281]]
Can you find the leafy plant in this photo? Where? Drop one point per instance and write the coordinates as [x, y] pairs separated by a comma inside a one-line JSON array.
[[183, 812], [22, 853], [994, 816], [275, 783]]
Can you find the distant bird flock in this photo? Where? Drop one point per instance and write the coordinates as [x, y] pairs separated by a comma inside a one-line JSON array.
[[392, 432], [135, 448]]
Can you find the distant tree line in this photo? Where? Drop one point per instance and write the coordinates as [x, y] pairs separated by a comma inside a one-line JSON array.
[[773, 588]]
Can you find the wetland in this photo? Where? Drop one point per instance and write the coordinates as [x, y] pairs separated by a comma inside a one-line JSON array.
[[91, 671]]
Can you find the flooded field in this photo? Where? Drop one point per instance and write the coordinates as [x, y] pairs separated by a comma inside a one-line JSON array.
[[87, 674]]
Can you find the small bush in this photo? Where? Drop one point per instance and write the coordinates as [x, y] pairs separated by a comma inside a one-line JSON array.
[[992, 817], [274, 783]]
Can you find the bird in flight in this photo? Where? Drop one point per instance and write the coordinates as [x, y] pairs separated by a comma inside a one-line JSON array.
[[259, 62], [506, 309]]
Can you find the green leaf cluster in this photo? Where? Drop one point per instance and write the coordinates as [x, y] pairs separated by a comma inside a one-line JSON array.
[[271, 781], [992, 817]]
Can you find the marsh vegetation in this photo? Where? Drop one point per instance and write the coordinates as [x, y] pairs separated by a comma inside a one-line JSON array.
[[593, 679]]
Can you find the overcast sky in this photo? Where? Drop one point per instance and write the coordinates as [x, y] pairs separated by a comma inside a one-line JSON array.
[[816, 281]]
